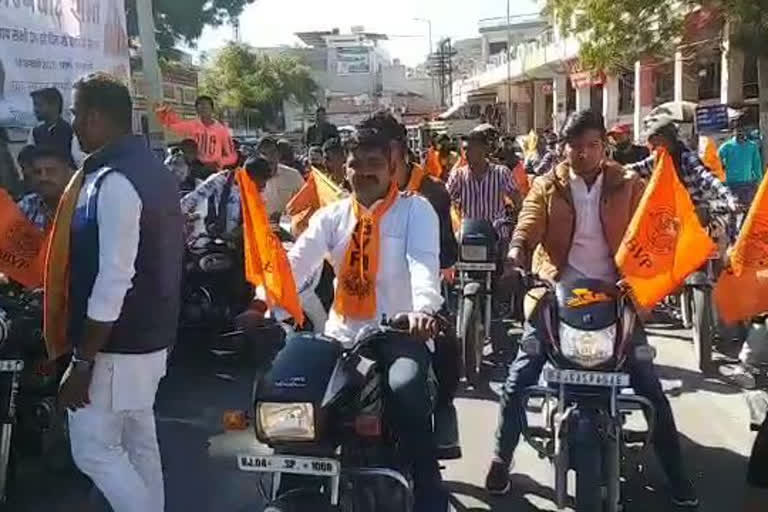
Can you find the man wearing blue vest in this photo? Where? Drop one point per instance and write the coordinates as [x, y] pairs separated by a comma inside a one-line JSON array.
[[125, 270]]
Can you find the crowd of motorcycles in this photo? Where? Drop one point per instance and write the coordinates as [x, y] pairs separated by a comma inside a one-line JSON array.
[[318, 404]]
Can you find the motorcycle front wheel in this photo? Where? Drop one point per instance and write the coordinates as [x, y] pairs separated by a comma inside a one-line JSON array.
[[472, 337], [701, 318]]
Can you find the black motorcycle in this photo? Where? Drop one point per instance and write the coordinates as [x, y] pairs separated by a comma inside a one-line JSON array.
[[30, 424], [320, 408], [214, 289], [482, 247], [587, 340]]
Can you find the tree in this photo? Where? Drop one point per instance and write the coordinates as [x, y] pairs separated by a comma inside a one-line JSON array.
[[183, 20], [239, 78], [616, 33]]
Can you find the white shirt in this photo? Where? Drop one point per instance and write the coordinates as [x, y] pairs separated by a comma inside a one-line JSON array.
[[409, 258], [590, 255], [118, 214], [286, 182]]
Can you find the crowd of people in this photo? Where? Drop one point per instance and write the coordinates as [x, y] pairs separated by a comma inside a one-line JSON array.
[[120, 220]]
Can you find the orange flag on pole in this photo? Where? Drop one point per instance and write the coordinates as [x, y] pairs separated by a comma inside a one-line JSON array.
[[318, 191], [266, 263], [665, 241], [742, 290], [521, 179], [710, 157], [22, 245], [433, 166]]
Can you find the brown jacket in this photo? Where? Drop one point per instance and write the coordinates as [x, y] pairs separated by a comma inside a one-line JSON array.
[[548, 216]]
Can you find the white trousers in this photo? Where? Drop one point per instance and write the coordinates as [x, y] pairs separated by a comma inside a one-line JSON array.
[[114, 440]]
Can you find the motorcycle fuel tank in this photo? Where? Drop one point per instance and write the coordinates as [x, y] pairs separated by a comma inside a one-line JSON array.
[[301, 371]]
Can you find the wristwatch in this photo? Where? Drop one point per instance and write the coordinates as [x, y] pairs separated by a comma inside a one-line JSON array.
[[81, 364]]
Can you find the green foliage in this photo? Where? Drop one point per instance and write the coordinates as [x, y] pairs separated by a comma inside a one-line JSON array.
[[183, 20], [615, 33], [240, 78], [750, 17]]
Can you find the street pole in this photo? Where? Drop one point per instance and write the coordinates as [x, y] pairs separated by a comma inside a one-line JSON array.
[[509, 73], [153, 93], [429, 55]]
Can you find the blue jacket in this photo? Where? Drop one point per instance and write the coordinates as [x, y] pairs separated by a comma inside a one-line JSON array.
[[742, 161]]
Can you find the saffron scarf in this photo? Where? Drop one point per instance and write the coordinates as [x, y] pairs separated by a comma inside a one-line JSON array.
[[356, 293], [56, 277]]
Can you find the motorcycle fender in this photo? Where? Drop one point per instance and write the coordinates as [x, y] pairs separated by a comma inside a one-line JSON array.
[[472, 289]]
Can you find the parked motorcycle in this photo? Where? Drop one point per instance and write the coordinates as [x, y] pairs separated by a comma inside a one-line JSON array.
[[481, 250], [320, 408], [588, 332], [30, 424]]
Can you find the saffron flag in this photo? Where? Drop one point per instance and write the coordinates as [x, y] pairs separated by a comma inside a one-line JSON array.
[[742, 290], [665, 241], [22, 245], [433, 166], [521, 179], [318, 191], [266, 263], [710, 157]]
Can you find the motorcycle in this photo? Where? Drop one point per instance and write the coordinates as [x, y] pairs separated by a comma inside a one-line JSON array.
[[214, 289], [699, 314], [30, 424], [587, 342], [481, 249], [320, 408]]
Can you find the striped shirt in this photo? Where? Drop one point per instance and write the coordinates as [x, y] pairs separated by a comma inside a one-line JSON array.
[[482, 197], [708, 193]]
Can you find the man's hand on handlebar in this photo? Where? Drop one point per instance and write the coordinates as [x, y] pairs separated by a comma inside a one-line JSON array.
[[515, 262], [422, 326]]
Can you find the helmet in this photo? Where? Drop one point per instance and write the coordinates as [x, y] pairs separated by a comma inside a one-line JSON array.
[[663, 120]]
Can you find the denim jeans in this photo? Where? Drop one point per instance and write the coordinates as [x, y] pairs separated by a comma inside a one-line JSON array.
[[524, 372], [409, 407]]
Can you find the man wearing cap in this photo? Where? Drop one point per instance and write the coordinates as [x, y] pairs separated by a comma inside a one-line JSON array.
[[624, 151]]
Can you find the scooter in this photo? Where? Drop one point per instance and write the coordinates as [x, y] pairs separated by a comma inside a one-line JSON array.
[[586, 395]]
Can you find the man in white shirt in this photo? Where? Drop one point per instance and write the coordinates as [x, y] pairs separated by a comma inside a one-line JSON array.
[[123, 298], [577, 215], [406, 279], [284, 183]]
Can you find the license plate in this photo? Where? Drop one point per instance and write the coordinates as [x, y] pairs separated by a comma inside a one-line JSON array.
[[289, 464], [11, 365], [464, 266], [582, 378]]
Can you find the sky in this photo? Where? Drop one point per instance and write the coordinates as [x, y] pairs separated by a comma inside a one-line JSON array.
[[273, 22]]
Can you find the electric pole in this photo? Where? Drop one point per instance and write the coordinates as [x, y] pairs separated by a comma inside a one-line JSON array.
[[153, 92]]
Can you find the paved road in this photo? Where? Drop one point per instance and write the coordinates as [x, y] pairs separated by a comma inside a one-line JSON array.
[[199, 458]]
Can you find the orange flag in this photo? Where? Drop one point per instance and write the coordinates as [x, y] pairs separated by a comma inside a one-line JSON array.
[[433, 166], [521, 179], [266, 263], [318, 191], [710, 157], [665, 241], [742, 290], [22, 245]]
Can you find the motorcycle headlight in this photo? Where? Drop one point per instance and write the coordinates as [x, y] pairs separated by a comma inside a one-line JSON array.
[[474, 253], [587, 348], [286, 422]]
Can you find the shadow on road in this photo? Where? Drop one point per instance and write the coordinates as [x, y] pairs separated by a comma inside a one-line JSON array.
[[516, 500], [691, 381]]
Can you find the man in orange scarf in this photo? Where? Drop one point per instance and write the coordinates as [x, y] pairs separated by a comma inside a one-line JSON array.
[[384, 247]]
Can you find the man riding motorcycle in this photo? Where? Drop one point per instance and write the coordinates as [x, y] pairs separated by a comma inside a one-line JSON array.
[[578, 214], [384, 248], [480, 189]]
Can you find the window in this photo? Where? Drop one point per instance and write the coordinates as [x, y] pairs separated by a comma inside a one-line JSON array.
[[627, 93], [665, 84], [708, 74], [751, 84], [498, 47], [169, 92]]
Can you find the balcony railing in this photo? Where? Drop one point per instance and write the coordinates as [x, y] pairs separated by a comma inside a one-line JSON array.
[[517, 19]]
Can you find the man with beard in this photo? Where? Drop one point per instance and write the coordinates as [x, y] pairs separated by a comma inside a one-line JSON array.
[[624, 151]]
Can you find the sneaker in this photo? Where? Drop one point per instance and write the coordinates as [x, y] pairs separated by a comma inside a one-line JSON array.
[[743, 376], [497, 480], [685, 495]]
